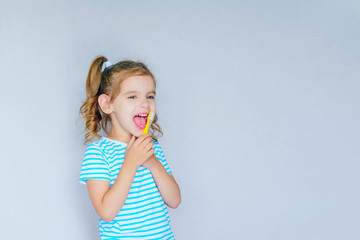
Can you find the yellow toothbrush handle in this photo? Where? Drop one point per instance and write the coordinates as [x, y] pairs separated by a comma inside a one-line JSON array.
[[146, 130]]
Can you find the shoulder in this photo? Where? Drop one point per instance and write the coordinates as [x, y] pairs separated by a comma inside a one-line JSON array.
[[95, 146], [100, 148], [106, 145], [158, 150], [159, 153], [157, 145]]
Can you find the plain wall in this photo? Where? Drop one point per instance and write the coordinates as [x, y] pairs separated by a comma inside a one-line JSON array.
[[258, 101]]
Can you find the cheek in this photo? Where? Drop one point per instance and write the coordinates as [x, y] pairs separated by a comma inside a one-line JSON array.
[[127, 106], [124, 111], [153, 105]]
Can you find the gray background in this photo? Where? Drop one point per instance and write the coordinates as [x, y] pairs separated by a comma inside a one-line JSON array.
[[258, 100]]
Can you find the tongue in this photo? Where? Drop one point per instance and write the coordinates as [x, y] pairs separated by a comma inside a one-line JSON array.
[[140, 122]]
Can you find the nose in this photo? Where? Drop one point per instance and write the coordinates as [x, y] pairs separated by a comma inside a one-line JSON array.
[[145, 103]]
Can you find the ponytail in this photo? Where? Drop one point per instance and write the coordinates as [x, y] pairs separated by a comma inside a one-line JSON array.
[[90, 110]]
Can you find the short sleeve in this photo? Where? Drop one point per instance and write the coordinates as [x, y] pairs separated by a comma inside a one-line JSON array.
[[95, 165], [161, 157]]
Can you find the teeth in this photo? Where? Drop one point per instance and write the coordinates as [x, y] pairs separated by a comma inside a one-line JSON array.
[[142, 115]]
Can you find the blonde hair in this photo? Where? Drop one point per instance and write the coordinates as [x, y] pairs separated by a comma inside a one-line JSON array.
[[108, 82]]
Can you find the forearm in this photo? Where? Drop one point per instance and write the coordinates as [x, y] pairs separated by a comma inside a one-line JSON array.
[[114, 199], [166, 184]]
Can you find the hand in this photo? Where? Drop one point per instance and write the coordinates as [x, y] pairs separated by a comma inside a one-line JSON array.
[[139, 151], [151, 162]]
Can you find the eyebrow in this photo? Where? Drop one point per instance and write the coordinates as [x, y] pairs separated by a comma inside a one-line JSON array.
[[130, 92]]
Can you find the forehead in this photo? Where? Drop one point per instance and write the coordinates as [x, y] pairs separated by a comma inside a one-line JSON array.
[[143, 83]]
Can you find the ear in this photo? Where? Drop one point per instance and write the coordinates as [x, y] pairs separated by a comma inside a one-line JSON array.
[[104, 103]]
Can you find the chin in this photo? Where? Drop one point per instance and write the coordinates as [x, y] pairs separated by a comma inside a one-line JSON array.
[[138, 133]]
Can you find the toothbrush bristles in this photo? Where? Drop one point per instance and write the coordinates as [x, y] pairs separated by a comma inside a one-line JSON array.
[[152, 116]]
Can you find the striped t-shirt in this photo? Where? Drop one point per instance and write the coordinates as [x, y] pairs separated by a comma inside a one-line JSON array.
[[144, 214]]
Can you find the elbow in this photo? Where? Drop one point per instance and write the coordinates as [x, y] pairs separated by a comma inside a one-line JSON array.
[[107, 217], [175, 204]]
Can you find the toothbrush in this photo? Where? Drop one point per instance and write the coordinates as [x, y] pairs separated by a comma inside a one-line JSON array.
[[151, 117]]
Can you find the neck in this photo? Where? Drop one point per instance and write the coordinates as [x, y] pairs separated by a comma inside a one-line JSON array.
[[119, 137]]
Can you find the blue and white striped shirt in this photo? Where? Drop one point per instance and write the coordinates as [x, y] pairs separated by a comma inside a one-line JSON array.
[[144, 214]]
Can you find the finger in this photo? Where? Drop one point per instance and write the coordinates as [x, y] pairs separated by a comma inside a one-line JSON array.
[[142, 138], [132, 140], [149, 145], [150, 153], [147, 141]]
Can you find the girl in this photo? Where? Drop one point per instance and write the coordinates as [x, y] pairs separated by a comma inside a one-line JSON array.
[[126, 173]]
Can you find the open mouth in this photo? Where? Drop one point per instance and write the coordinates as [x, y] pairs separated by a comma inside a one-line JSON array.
[[140, 120]]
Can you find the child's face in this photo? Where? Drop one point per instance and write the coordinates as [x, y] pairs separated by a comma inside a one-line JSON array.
[[137, 96]]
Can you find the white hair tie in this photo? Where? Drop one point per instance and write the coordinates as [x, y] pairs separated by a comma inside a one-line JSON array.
[[106, 65]]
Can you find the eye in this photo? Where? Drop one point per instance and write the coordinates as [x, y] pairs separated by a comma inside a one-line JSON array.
[[132, 97], [151, 97]]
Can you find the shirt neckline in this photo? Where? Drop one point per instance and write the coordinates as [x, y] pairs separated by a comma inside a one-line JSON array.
[[114, 141]]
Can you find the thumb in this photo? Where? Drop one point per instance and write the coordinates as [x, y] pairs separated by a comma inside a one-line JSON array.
[[132, 140]]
